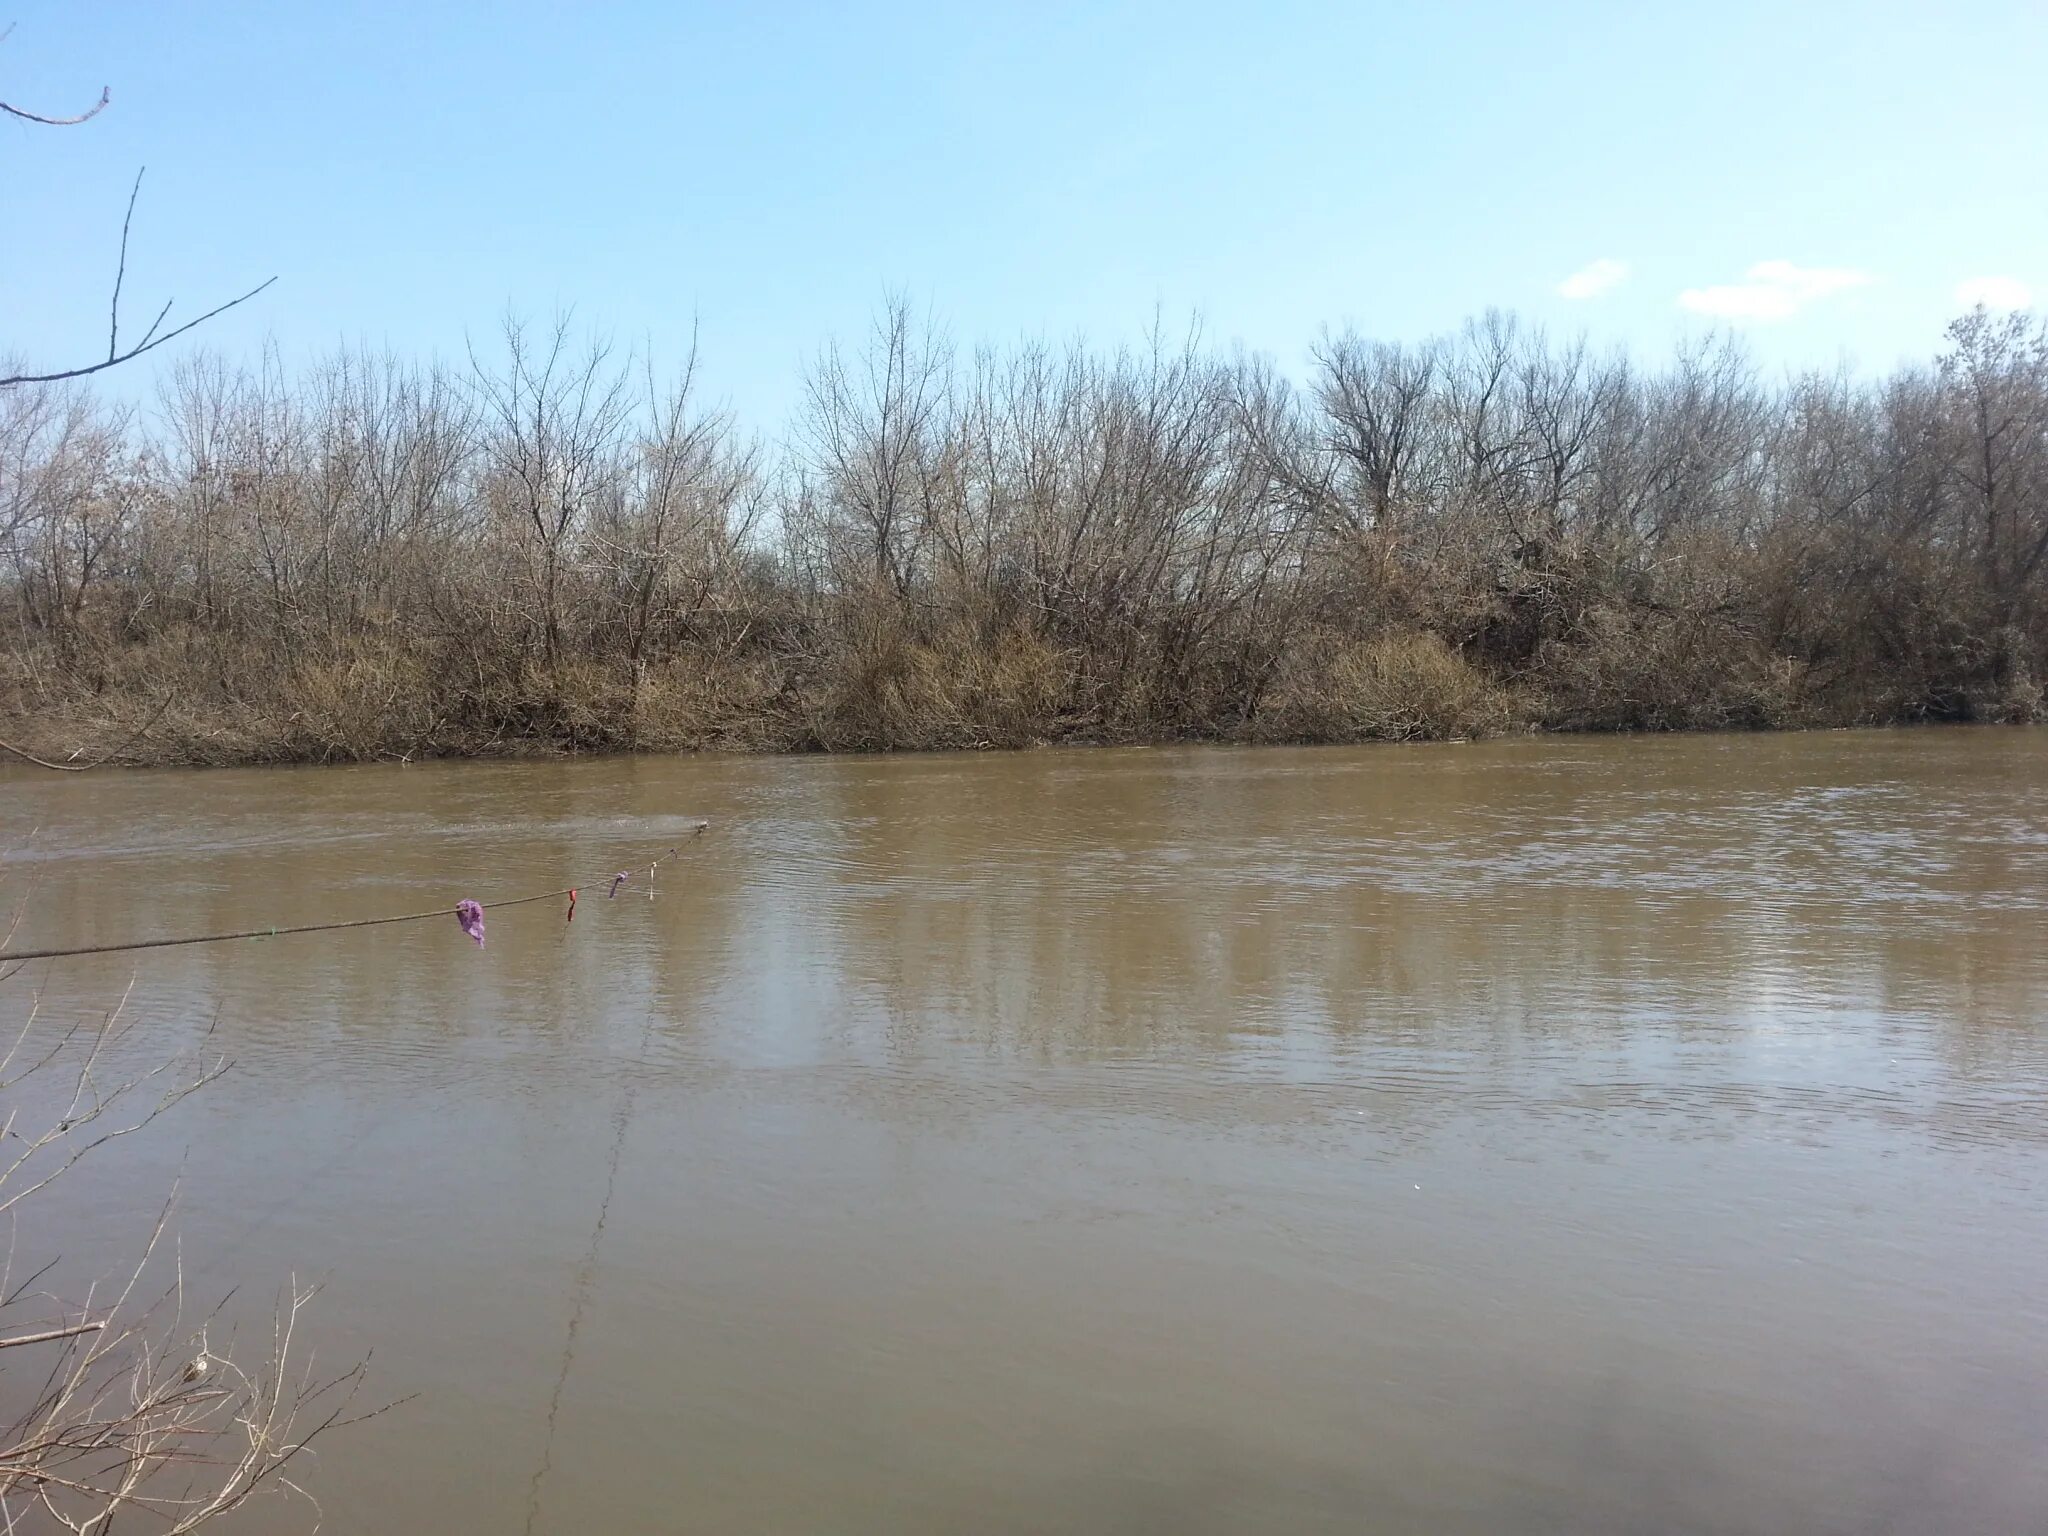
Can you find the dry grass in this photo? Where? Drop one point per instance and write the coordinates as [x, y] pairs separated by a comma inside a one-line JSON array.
[[1401, 687], [880, 688]]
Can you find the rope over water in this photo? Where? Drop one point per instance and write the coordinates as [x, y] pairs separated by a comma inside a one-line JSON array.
[[12, 956]]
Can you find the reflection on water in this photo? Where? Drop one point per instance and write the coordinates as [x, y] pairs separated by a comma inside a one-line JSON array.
[[1547, 1136]]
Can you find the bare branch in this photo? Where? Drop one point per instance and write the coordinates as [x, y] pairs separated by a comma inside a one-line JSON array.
[[59, 122], [121, 272], [149, 344], [105, 757], [52, 1333]]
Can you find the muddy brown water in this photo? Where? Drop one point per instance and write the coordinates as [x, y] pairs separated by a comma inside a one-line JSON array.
[[1564, 1135]]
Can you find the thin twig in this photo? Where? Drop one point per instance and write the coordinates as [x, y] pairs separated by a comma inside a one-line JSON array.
[[121, 269], [53, 1333], [94, 110]]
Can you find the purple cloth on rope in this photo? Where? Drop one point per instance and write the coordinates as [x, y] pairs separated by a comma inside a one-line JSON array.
[[471, 916]]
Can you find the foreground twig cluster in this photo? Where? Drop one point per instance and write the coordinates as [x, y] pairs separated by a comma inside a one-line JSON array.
[[118, 1407]]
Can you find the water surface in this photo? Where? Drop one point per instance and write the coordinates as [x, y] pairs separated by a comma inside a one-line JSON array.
[[1575, 1136]]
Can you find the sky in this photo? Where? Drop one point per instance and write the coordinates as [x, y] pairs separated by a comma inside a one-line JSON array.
[[1833, 180]]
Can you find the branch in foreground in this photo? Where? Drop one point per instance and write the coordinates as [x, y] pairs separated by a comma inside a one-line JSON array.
[[149, 343], [49, 1334], [27, 116], [58, 122], [140, 1416]]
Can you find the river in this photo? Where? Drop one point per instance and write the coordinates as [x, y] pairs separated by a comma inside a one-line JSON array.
[[1542, 1136]]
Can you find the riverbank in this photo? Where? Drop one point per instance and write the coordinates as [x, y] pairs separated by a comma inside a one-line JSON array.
[[1489, 533], [208, 703]]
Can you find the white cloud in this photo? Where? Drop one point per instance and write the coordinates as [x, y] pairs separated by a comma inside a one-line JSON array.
[[1773, 290], [1594, 279], [1994, 293]]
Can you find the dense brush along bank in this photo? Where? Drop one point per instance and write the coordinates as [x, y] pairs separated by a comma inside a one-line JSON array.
[[1486, 533]]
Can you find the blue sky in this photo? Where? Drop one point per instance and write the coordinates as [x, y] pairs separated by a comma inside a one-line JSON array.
[[1822, 176]]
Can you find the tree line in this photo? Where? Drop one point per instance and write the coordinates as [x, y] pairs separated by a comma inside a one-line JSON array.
[[555, 546]]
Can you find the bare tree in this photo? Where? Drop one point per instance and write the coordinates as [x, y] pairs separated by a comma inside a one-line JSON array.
[[1995, 381], [554, 418], [1375, 398], [682, 510], [872, 433]]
